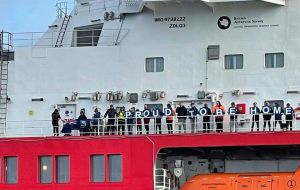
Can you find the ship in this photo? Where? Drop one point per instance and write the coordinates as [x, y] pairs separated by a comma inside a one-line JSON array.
[[159, 54]]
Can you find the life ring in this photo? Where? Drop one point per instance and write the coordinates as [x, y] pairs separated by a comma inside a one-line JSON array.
[[297, 113]]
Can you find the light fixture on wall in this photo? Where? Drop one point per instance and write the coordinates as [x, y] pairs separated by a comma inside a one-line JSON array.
[[97, 96], [74, 96], [53, 26], [96, 20], [37, 99], [84, 98], [293, 92], [236, 93], [249, 93]]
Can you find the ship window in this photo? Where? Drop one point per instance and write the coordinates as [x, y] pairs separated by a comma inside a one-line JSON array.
[[234, 61], [213, 52], [97, 168], [154, 106], [115, 168], [274, 60], [87, 35], [62, 169], [45, 168], [154, 64], [11, 170]]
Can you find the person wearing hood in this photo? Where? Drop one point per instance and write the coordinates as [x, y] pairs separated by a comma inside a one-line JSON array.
[[55, 118], [193, 112], [111, 113], [95, 122]]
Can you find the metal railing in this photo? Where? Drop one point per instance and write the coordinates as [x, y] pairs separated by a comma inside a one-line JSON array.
[[137, 126], [64, 7], [162, 180], [100, 37], [6, 40]]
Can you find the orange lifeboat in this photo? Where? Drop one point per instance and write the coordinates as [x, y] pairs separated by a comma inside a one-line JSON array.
[[245, 181]]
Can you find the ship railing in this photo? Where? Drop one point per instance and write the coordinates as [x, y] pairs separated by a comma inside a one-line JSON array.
[[157, 125], [162, 180], [64, 7], [74, 38]]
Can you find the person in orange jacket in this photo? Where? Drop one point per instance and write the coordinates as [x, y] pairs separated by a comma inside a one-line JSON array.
[[219, 111]]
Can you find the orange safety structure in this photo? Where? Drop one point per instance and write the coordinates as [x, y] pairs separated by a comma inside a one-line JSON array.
[[245, 181]]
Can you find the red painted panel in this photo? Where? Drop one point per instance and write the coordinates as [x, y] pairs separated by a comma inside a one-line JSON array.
[[138, 152], [241, 108]]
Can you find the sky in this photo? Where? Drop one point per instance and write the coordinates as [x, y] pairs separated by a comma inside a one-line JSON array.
[[27, 15]]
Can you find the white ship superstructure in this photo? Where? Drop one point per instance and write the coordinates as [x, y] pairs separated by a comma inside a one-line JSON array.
[[135, 52]]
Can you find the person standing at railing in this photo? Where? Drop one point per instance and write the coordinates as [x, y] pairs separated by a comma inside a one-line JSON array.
[[205, 111], [83, 124], [111, 113], [158, 114], [193, 112], [121, 121], [169, 119], [233, 111], [130, 120], [146, 118], [255, 111], [219, 111], [278, 115], [138, 122], [55, 118], [95, 122], [267, 115], [181, 115], [289, 115]]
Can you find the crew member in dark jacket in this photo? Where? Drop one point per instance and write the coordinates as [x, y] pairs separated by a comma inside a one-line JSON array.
[[55, 117], [267, 114], [255, 116], [278, 115], [233, 111], [96, 122], [83, 124], [181, 115], [130, 120], [206, 118], [193, 112], [146, 119], [289, 114], [158, 114], [111, 113]]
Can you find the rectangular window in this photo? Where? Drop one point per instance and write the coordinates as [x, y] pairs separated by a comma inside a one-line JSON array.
[[115, 168], [234, 61], [45, 168], [97, 168], [155, 64], [213, 52], [11, 170], [87, 35], [62, 169], [274, 60]]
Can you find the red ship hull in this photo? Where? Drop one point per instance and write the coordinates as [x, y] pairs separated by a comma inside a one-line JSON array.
[[138, 156]]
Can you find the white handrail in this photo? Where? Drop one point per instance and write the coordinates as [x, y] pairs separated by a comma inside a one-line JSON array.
[[242, 124], [161, 179], [45, 39]]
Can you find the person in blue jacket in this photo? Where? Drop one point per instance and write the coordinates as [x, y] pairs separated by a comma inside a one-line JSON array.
[[96, 122]]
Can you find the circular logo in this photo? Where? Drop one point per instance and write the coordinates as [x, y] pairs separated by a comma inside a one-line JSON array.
[[291, 183], [224, 22]]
